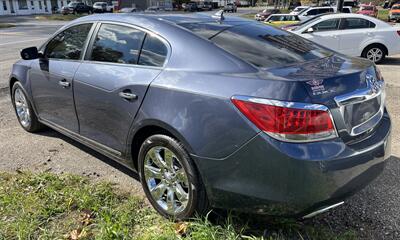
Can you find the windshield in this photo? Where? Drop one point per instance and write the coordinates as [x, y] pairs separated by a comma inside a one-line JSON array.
[[99, 3], [306, 22], [303, 10], [298, 9], [73, 4], [396, 7], [260, 45]]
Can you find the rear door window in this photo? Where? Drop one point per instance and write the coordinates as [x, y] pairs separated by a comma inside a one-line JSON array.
[[154, 52], [117, 44], [267, 47], [355, 23]]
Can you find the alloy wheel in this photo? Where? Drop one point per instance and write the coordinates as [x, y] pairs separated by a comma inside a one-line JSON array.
[[374, 54], [166, 180], [22, 108]]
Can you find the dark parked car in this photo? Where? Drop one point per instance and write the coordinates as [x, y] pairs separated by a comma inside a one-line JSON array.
[[230, 7], [190, 7], [253, 119], [264, 14], [76, 7]]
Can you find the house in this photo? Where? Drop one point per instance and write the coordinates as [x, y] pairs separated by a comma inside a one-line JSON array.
[[27, 7], [24, 7]]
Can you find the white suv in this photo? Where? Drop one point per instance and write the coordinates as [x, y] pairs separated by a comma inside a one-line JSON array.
[[314, 11], [353, 34]]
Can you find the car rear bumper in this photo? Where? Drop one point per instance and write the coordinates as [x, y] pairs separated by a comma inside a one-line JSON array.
[[290, 179]]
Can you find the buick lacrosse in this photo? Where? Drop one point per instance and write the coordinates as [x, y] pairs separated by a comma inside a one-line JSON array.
[[211, 112]]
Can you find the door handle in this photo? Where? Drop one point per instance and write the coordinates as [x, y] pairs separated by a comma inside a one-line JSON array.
[[128, 95], [64, 83]]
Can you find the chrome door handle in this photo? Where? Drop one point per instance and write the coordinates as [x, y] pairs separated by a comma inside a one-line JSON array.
[[128, 95], [64, 83]]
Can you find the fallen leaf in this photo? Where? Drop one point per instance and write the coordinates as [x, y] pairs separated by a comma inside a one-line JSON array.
[[181, 228], [77, 234]]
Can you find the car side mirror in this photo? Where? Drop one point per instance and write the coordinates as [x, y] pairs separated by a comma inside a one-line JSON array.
[[30, 53], [310, 30]]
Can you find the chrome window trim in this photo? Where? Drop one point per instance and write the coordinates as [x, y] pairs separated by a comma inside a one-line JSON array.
[[296, 105], [146, 31]]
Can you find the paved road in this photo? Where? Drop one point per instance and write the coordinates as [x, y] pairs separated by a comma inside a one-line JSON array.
[[374, 212], [27, 33]]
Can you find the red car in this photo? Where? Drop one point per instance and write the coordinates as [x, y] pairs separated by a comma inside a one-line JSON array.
[[369, 10]]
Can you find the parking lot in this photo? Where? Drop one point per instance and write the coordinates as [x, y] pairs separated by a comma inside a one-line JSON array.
[[374, 213]]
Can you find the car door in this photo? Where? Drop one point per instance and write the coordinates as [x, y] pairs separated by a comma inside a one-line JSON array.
[[325, 33], [51, 76], [353, 33], [111, 83]]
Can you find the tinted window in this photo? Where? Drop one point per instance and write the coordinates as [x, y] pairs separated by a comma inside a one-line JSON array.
[[327, 25], [324, 10], [69, 43], [266, 47], [356, 23], [153, 52], [118, 44], [312, 12], [346, 10]]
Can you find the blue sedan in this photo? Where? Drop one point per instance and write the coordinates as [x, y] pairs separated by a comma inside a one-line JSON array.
[[211, 112]]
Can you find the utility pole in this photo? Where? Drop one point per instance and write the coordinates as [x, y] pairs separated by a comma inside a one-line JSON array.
[[339, 5]]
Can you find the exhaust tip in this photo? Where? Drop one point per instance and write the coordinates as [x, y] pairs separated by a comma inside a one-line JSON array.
[[322, 210]]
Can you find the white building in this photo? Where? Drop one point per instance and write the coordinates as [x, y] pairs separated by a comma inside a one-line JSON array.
[[26, 7]]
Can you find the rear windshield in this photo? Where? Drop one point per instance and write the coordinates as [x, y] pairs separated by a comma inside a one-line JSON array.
[[261, 45]]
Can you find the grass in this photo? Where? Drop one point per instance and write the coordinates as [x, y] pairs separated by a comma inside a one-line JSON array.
[[59, 17], [49, 206], [6, 25]]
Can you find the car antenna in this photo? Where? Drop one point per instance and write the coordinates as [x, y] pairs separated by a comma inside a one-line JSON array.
[[219, 15]]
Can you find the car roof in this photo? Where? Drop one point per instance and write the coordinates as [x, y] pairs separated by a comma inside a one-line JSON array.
[[157, 18]]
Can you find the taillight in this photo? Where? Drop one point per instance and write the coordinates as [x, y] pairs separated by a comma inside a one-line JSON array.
[[294, 122]]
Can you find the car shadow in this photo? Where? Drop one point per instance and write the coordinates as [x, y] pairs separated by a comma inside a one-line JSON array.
[[54, 134], [391, 61]]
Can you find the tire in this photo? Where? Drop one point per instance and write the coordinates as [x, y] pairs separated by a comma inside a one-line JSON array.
[[375, 53], [30, 122], [188, 185]]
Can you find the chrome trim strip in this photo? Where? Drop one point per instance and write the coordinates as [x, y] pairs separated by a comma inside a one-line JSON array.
[[322, 210], [297, 105]]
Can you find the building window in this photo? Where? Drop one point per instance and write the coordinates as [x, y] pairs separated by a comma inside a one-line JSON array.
[[22, 4], [32, 4], [40, 5], [4, 5]]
